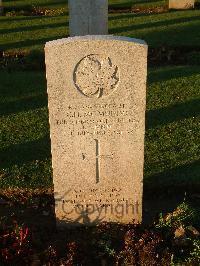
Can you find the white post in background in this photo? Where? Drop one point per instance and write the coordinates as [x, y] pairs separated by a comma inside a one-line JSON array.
[[88, 17]]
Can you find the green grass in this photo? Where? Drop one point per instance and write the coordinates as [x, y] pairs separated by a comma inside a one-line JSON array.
[[21, 4], [24, 4], [24, 136], [172, 134], [29, 33], [172, 144], [134, 3], [180, 28], [169, 28]]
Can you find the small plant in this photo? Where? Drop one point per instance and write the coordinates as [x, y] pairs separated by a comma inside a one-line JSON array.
[[105, 246], [183, 215], [14, 244], [194, 258], [103, 240]]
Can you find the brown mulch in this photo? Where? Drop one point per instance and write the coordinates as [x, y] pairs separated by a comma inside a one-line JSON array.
[[139, 10], [30, 212]]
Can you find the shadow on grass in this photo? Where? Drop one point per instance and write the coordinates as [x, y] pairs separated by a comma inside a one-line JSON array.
[[28, 6], [132, 3], [32, 216], [35, 27], [181, 179], [162, 37], [153, 24], [173, 72], [29, 42], [53, 3], [163, 116], [126, 4], [26, 152], [27, 18], [127, 15], [25, 104]]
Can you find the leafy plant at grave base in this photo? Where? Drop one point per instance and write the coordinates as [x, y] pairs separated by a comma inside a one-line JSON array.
[[105, 246], [194, 258], [183, 236], [14, 244], [105, 238], [144, 247], [183, 215], [113, 244]]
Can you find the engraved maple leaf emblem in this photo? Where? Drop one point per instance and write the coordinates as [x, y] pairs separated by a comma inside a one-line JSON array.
[[96, 76]]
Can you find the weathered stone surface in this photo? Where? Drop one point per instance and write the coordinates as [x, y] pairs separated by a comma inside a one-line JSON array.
[[87, 17], [181, 4], [97, 96]]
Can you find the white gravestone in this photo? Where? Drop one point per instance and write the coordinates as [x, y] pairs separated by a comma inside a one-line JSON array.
[[181, 4], [96, 99], [88, 17]]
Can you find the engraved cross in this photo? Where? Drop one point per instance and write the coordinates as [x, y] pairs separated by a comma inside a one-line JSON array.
[[98, 159]]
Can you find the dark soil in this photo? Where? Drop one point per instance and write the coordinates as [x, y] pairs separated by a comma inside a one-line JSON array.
[[31, 213], [157, 56], [41, 11], [166, 55], [139, 10], [81, 246]]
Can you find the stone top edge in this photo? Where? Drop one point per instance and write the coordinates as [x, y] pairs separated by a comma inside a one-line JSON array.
[[94, 37]]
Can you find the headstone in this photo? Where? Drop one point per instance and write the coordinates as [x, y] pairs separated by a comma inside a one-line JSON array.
[[96, 99], [87, 17], [181, 4]]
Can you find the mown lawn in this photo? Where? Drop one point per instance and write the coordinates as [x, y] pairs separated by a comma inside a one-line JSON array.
[[21, 4], [172, 145], [172, 28], [172, 132], [179, 28]]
